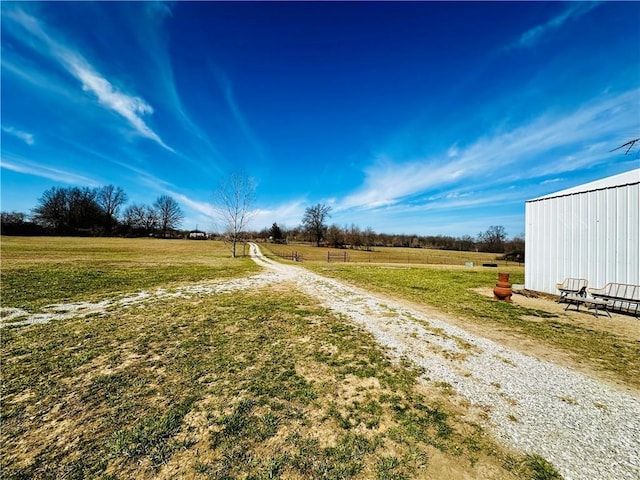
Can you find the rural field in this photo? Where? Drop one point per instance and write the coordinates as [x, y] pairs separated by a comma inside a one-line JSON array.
[[418, 256], [147, 358]]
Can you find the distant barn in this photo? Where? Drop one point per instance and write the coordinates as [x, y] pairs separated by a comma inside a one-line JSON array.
[[591, 231]]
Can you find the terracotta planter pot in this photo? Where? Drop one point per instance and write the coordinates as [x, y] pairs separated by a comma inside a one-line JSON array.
[[502, 290]]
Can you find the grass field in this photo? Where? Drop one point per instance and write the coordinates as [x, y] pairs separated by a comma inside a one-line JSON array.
[[261, 384], [37, 271], [402, 255]]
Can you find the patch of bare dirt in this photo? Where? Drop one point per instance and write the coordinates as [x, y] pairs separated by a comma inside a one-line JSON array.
[[620, 324]]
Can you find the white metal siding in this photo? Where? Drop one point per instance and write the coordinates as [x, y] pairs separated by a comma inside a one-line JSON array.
[[593, 235]]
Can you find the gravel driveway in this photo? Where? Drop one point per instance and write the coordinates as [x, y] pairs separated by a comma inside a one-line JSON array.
[[585, 428]]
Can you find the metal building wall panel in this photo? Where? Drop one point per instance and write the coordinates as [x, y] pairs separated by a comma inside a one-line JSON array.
[[592, 234]]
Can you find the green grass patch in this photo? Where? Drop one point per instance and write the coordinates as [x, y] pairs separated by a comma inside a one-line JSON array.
[[249, 385], [38, 271]]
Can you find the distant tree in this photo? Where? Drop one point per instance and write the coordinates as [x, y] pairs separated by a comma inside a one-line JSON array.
[[133, 216], [84, 213], [466, 243], [150, 219], [110, 199], [514, 248], [294, 233], [314, 221], [68, 210], [233, 200], [51, 210], [335, 236], [169, 213], [369, 238], [18, 223], [15, 218], [276, 233], [353, 236], [141, 218], [493, 239]]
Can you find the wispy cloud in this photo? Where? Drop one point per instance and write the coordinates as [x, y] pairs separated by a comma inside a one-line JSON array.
[[30, 74], [163, 187], [288, 214], [26, 137], [19, 164], [130, 107], [205, 208], [148, 34], [548, 145], [552, 180], [225, 85], [537, 33]]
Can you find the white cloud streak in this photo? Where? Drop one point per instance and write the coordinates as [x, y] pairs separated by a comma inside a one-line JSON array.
[[28, 167], [205, 208], [537, 33], [130, 107], [26, 137], [548, 145], [225, 85], [286, 215]]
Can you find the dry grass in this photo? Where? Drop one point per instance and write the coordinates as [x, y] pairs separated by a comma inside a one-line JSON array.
[[252, 385], [248, 385], [37, 271], [381, 255]]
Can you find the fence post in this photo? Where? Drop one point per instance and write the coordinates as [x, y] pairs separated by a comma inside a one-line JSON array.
[[328, 257]]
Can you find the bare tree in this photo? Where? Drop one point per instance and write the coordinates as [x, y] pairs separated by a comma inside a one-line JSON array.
[[68, 210], [51, 210], [313, 221], [169, 213], [150, 219], [110, 199], [233, 204], [369, 238], [141, 218], [493, 239], [335, 236], [133, 217]]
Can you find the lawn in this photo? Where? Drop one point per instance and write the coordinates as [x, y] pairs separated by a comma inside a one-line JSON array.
[[379, 255], [37, 271], [254, 384]]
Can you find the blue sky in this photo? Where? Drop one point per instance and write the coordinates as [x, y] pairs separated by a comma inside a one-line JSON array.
[[427, 118]]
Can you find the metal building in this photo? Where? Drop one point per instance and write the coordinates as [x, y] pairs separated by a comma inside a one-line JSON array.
[[591, 231]]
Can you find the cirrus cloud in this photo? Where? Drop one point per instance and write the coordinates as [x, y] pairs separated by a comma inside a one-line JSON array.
[[130, 107], [26, 137]]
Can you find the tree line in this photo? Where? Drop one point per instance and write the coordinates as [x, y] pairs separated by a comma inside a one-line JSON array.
[[315, 228], [94, 211], [103, 211]]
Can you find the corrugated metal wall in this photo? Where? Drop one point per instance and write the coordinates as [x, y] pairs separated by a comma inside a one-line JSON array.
[[593, 235]]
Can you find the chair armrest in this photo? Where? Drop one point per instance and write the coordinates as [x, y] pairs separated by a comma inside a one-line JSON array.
[[598, 292]]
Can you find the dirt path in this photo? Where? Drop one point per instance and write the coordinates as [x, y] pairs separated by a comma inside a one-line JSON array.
[[587, 429]]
